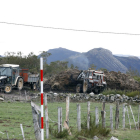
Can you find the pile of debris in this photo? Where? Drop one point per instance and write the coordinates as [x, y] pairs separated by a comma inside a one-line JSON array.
[[66, 81], [121, 81]]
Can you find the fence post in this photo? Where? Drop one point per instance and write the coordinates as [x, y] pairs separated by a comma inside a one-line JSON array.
[[25, 96], [128, 117], [67, 109], [36, 125], [111, 117], [123, 116], [7, 135], [79, 117], [103, 115], [22, 131], [59, 119], [133, 116], [88, 114], [46, 117], [96, 116], [117, 115], [139, 117]]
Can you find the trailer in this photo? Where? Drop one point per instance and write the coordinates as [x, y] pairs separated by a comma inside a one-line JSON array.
[[11, 76]]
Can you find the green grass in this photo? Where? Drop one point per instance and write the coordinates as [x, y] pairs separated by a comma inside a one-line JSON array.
[[16, 113]]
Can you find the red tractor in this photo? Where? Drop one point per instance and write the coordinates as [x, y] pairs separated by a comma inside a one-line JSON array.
[[91, 81]]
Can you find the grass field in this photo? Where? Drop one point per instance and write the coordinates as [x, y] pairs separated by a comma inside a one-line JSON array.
[[12, 114]]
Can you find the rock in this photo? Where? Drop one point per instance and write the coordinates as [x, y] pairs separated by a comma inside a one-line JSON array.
[[113, 138], [1, 99], [55, 94], [112, 99], [95, 138], [91, 94]]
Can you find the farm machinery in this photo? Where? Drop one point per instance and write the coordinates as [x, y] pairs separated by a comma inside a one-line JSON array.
[[91, 81], [11, 76]]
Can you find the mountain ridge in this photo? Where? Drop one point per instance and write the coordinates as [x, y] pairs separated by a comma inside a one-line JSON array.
[[102, 58]]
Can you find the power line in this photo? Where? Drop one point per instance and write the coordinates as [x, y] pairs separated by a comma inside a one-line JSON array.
[[78, 30]]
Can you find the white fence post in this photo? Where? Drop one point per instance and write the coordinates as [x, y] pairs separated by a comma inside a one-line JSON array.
[[133, 116], [128, 117], [96, 116], [22, 131], [79, 117], [88, 115], [59, 119], [123, 116], [111, 117], [46, 117], [67, 109], [139, 117]]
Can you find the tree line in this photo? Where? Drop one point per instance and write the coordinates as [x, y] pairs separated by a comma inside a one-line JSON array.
[[32, 62]]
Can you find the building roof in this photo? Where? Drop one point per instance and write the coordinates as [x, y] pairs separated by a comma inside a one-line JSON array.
[[9, 65]]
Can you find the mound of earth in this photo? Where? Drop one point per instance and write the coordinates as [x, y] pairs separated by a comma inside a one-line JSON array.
[[66, 81], [121, 81]]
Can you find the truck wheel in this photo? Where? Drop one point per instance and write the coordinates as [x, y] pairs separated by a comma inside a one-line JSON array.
[[20, 83], [86, 87], [8, 88], [79, 88]]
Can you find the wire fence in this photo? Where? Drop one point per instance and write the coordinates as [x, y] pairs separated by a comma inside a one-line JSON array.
[[14, 113]]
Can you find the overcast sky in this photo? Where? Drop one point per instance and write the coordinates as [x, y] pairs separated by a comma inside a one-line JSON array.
[[120, 16]]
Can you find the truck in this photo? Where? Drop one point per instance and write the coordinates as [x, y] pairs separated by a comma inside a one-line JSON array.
[[91, 81], [11, 76]]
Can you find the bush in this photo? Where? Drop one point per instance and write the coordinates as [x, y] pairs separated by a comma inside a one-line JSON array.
[[108, 92], [121, 92], [56, 134], [94, 130]]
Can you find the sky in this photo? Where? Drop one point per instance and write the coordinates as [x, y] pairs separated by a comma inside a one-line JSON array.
[[119, 16]]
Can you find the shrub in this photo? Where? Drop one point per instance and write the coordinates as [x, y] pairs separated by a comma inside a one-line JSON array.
[[94, 130]]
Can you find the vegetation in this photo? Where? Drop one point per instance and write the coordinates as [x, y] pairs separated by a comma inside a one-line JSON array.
[[134, 73], [32, 62], [15, 113], [94, 130], [121, 92]]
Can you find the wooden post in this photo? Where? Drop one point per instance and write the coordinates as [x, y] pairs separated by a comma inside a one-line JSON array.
[[96, 116], [139, 118], [111, 117], [79, 117], [123, 117], [88, 114], [25, 96], [128, 117], [59, 119], [103, 115], [133, 116], [61, 126], [7, 135], [22, 131], [36, 125], [46, 117], [117, 116], [67, 109]]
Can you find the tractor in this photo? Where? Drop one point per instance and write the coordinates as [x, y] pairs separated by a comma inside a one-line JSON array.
[[11, 76], [91, 81]]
